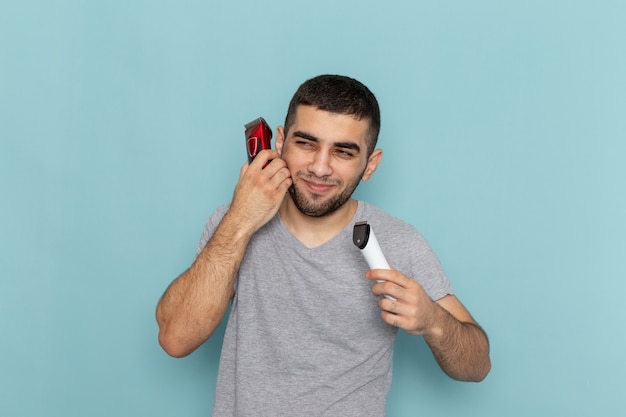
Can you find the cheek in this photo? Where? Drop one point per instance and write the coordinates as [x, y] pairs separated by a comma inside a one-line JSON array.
[[346, 176], [285, 156], [285, 150], [293, 157], [289, 161]]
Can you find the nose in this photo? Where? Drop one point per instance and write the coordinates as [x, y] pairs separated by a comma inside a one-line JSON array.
[[320, 164]]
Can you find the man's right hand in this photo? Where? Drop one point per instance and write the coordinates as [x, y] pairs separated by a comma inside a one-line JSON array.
[[195, 303], [260, 190]]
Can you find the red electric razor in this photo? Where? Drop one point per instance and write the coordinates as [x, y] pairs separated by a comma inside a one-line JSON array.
[[258, 137]]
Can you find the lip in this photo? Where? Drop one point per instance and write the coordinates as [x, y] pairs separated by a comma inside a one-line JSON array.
[[318, 188]]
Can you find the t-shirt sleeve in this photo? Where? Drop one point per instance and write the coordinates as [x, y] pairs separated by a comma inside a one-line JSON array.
[[409, 252], [427, 269], [210, 227]]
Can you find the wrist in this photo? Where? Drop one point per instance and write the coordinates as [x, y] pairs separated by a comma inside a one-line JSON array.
[[437, 323], [236, 227]]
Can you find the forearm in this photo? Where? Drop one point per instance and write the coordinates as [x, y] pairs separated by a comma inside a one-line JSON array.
[[195, 303], [460, 348]]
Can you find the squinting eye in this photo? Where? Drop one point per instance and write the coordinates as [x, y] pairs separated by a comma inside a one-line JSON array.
[[343, 153]]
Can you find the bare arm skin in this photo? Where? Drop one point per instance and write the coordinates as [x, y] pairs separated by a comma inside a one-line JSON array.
[[460, 346], [195, 303], [458, 343]]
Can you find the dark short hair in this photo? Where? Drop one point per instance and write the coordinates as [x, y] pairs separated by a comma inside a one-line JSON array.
[[338, 94]]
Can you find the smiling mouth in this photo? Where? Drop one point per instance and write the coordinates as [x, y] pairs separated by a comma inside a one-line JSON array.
[[318, 187]]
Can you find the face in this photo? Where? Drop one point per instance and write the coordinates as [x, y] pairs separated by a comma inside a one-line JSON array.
[[327, 156]]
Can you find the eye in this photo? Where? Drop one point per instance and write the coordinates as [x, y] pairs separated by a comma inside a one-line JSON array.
[[304, 143], [344, 153]]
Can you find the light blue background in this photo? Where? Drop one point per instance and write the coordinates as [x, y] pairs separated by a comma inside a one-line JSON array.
[[121, 126]]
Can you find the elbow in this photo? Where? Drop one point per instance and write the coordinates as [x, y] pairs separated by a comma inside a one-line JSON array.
[[172, 345], [481, 372], [486, 371], [179, 338], [171, 342], [483, 366], [477, 372], [478, 364]]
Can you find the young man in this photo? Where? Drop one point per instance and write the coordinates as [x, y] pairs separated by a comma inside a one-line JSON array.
[[309, 332]]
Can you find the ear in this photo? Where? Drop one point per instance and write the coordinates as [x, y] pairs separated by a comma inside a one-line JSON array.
[[372, 164], [280, 139]]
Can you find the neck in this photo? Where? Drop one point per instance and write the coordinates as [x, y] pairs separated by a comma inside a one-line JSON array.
[[315, 231]]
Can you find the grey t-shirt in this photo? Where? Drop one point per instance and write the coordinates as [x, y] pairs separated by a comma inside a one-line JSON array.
[[304, 335]]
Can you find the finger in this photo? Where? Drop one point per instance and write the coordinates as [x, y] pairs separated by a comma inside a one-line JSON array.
[[282, 180], [263, 158], [277, 170], [403, 314], [393, 319], [388, 290], [243, 169], [284, 186], [285, 179], [390, 305], [389, 275], [378, 274]]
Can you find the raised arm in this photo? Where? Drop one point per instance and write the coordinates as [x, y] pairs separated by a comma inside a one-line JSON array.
[[194, 304], [459, 344]]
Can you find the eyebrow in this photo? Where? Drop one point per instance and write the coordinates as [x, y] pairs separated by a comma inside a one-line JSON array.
[[346, 145]]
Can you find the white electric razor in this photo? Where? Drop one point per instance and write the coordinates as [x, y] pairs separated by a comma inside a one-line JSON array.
[[364, 238]]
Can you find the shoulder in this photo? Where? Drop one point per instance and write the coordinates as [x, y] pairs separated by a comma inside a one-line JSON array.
[[396, 235], [384, 223], [408, 251], [211, 224]]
